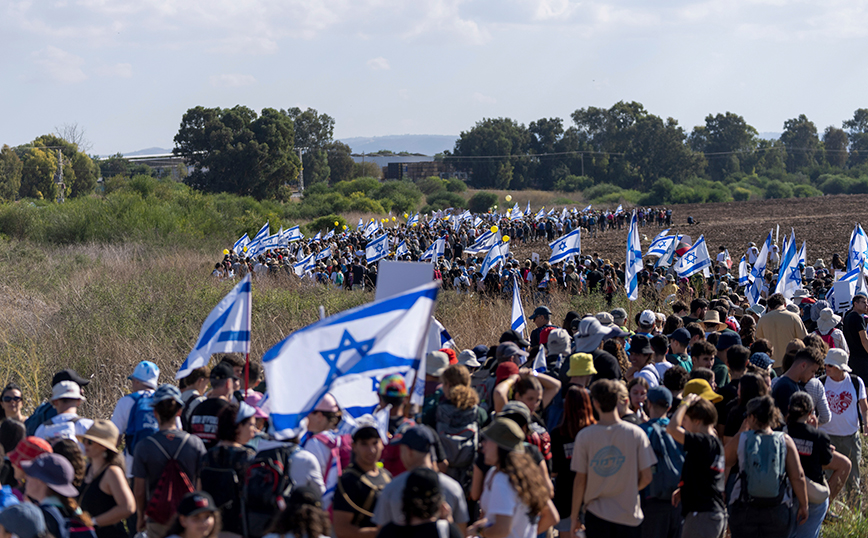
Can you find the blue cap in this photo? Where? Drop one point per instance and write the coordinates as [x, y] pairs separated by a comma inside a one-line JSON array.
[[23, 520], [660, 396], [727, 340], [419, 438], [761, 361], [681, 335], [147, 373], [167, 392], [244, 412]]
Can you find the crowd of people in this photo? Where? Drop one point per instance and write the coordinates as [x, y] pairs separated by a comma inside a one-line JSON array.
[[687, 423]]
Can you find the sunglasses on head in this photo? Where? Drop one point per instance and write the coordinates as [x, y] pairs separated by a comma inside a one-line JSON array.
[[8, 399]]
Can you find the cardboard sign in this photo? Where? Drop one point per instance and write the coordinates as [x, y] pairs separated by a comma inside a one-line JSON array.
[[394, 278], [843, 295], [534, 257]]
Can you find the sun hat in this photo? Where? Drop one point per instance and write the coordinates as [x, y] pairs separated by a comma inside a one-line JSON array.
[[581, 364], [819, 264], [641, 344], [660, 395], [508, 350], [196, 503], [761, 360], [839, 359], [701, 388], [591, 332], [827, 321], [104, 433], [253, 399], [647, 318], [66, 390], [712, 321], [619, 314], [505, 433], [516, 411], [54, 470], [29, 448], [435, 363], [393, 386], [757, 309], [727, 340], [148, 373], [468, 358], [559, 342], [24, 520]]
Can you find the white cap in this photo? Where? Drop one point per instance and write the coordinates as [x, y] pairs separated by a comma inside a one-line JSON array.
[[647, 318], [66, 390]]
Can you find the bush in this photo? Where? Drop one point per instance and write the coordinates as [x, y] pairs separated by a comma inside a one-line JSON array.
[[481, 202], [454, 184], [444, 199], [779, 189], [326, 223], [805, 191], [740, 194], [365, 185], [574, 183], [834, 183], [404, 195], [431, 184], [601, 190], [859, 186]]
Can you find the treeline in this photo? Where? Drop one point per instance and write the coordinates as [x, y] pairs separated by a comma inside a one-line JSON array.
[[625, 153]]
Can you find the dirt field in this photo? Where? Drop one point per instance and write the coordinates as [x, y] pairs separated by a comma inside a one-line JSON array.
[[825, 223]]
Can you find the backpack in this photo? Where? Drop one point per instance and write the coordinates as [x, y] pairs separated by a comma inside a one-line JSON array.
[[267, 486], [830, 341], [762, 459], [69, 527], [458, 431], [670, 460], [365, 511], [220, 480], [141, 422], [855, 394], [57, 435], [171, 488], [340, 449], [391, 457], [40, 415]]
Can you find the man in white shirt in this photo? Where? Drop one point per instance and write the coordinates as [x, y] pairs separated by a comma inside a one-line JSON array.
[[130, 416], [849, 406], [67, 424]]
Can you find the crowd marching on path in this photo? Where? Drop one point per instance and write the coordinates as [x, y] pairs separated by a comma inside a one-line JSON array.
[[735, 405]]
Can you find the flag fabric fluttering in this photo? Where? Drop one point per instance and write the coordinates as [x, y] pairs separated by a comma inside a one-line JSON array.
[[482, 243], [293, 234], [634, 259], [226, 329], [519, 322], [494, 256], [857, 255], [668, 257], [262, 233], [238, 247], [743, 272], [566, 246], [346, 355], [304, 265], [402, 249], [435, 250], [377, 248], [414, 220], [789, 276], [694, 260], [755, 289], [324, 254]]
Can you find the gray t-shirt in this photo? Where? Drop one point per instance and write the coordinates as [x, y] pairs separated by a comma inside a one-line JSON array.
[[390, 503], [148, 460]]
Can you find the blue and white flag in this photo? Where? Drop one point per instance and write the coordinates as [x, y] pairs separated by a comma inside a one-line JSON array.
[[445, 338], [293, 234], [414, 220], [317, 238], [668, 258], [566, 246], [586, 209], [347, 355], [377, 248], [401, 249], [262, 233], [238, 247], [789, 276], [743, 272], [634, 259], [754, 291], [619, 209], [661, 244], [857, 255], [226, 329], [361, 223], [515, 214], [435, 250], [476, 222], [802, 254], [541, 214], [527, 211], [370, 229], [329, 235], [694, 260], [304, 265], [494, 256], [324, 254], [482, 243], [539, 362], [519, 322]]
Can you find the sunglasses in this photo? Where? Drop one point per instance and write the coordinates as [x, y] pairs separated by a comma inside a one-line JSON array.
[[8, 399]]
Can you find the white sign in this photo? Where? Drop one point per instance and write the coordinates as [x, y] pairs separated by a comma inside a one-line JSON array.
[[534, 257], [394, 278]]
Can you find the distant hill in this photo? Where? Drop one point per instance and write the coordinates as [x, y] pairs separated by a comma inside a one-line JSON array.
[[148, 151], [424, 144]]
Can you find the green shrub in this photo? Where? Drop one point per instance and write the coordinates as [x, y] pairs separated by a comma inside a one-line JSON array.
[[362, 204], [454, 184], [859, 185], [601, 190], [364, 185], [834, 183], [326, 223], [444, 199], [481, 202], [431, 184], [779, 189], [573, 183], [404, 195], [740, 194], [805, 191]]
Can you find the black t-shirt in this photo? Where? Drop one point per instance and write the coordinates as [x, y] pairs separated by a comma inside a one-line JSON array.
[[853, 323], [734, 419], [425, 530], [781, 392], [562, 457], [594, 277], [702, 474], [203, 420], [729, 393], [362, 490], [815, 449], [606, 365]]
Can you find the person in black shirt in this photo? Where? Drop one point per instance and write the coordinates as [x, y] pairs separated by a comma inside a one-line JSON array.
[[542, 318], [854, 334], [359, 487], [702, 477], [805, 365], [203, 411]]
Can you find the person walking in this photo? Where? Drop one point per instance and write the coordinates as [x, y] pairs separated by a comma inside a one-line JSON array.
[[105, 493]]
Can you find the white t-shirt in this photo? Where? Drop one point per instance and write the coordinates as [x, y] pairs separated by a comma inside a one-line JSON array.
[[842, 404], [662, 367], [649, 373], [499, 498], [64, 426]]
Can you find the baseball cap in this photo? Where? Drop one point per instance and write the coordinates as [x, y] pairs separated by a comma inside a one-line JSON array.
[[148, 373], [167, 392], [516, 411], [559, 342], [29, 448], [422, 482], [196, 503], [327, 404], [680, 335], [647, 318], [54, 470], [509, 349], [660, 396], [245, 411], [435, 363], [69, 375], [66, 390], [468, 358], [761, 360], [514, 336], [727, 340], [504, 370], [24, 520], [541, 311], [222, 371], [418, 438], [619, 313], [393, 386]]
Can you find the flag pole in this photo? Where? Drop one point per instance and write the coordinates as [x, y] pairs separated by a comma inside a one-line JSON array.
[[247, 355]]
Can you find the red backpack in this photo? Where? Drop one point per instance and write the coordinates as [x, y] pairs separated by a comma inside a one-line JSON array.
[[171, 488], [827, 338]]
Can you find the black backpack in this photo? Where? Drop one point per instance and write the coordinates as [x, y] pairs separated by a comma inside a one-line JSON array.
[[267, 486]]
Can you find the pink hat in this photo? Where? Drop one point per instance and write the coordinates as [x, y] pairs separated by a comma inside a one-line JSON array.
[[328, 404], [253, 398]]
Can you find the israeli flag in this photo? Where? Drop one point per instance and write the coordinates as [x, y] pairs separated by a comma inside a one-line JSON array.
[[226, 329], [668, 258], [694, 260], [324, 254], [402, 250], [361, 223], [754, 291], [414, 220], [789, 277], [519, 322], [239, 245], [262, 233], [586, 209], [566, 247], [619, 209], [660, 246], [292, 234], [329, 235], [347, 355], [802, 254], [476, 222], [370, 229], [539, 362], [483, 243], [634, 259], [515, 214], [541, 214], [436, 249], [857, 255], [494, 256], [743, 272], [445, 338], [377, 248], [304, 266]]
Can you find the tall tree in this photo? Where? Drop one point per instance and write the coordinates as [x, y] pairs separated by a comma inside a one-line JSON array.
[[545, 135], [312, 129], [499, 139], [234, 150], [857, 130], [340, 161], [802, 143], [657, 149], [723, 138], [835, 143], [38, 173], [10, 174]]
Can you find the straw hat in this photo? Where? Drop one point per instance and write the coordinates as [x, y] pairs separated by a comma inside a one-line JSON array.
[[104, 433], [712, 321]]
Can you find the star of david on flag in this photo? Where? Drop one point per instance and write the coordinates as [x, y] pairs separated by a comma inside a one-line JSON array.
[[694, 260], [343, 353], [566, 247], [377, 248]]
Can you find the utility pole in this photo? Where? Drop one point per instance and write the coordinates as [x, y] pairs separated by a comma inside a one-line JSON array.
[[59, 177], [300, 173]]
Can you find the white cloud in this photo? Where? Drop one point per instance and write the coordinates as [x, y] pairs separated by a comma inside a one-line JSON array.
[[120, 70], [232, 80], [483, 99], [379, 64], [57, 65]]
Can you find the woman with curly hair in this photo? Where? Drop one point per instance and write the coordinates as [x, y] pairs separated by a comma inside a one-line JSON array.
[[303, 517], [748, 330], [515, 498], [616, 349]]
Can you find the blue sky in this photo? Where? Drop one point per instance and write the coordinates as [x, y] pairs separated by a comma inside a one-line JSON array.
[[127, 70]]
